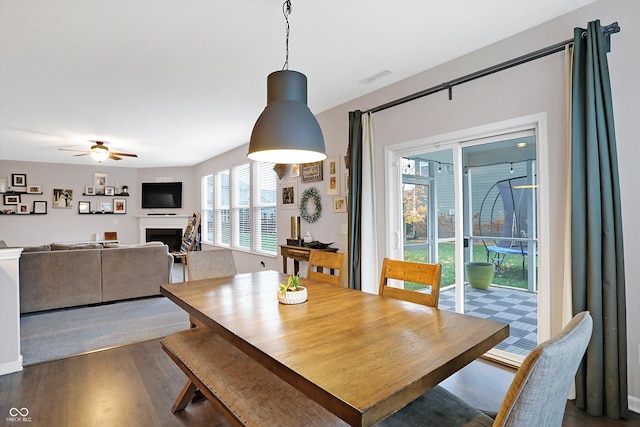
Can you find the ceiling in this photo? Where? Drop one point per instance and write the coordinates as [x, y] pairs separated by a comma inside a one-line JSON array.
[[181, 81]]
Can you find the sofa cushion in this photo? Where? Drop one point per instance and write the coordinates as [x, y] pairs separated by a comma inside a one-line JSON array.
[[58, 279], [41, 248], [135, 271], [74, 246], [139, 245]]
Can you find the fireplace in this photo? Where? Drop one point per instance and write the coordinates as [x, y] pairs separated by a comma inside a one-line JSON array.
[[171, 237]]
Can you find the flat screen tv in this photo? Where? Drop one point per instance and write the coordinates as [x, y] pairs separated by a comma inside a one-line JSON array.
[[161, 195]]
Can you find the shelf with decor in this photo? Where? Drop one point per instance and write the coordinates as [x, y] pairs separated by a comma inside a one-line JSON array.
[[106, 195]]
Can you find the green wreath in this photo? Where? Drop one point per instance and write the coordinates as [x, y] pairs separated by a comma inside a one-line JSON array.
[[313, 194]]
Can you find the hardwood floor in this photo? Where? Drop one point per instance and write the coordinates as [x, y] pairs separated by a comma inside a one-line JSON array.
[[137, 384]]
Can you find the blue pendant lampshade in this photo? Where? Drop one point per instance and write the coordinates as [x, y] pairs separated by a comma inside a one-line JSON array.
[[287, 131]]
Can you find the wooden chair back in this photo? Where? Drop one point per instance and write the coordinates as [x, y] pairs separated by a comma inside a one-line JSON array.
[[319, 261], [417, 272]]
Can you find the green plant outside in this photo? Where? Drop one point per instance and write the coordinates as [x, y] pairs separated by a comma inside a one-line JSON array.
[[510, 273], [269, 242]]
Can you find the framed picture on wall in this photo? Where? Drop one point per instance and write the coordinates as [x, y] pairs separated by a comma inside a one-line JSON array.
[[18, 180], [11, 199], [84, 207], [333, 177], [62, 198], [119, 206], [22, 209], [109, 191], [34, 189], [100, 179], [39, 207], [340, 204], [289, 195], [89, 190], [105, 206], [312, 172], [295, 170]]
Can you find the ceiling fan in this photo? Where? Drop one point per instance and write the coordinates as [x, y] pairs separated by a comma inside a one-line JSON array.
[[100, 152]]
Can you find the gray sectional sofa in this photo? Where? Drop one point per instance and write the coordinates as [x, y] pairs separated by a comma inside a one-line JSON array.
[[59, 276]]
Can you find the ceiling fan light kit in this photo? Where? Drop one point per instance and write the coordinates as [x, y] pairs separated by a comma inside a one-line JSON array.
[[287, 131], [100, 152]]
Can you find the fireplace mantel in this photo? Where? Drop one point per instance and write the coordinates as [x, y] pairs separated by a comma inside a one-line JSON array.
[[161, 221]]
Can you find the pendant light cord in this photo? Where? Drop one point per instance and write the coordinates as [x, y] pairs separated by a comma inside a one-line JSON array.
[[286, 11]]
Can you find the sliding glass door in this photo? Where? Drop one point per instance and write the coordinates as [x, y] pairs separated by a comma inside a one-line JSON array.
[[475, 202]]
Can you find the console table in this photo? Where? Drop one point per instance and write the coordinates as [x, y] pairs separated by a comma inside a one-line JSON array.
[[298, 253]]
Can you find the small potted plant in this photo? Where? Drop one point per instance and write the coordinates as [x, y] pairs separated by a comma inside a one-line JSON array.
[[292, 292]]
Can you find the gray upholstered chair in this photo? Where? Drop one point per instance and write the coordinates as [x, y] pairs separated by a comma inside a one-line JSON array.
[[210, 264], [537, 396]]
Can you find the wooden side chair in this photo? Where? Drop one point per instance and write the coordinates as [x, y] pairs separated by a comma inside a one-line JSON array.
[[537, 395], [417, 272], [319, 261]]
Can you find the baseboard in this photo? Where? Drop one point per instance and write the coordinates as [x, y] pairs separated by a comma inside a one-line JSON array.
[[634, 404], [10, 367]]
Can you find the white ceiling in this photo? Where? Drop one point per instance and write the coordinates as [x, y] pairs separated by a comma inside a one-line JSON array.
[[181, 81]]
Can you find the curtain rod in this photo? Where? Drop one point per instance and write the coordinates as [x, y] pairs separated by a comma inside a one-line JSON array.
[[558, 47]]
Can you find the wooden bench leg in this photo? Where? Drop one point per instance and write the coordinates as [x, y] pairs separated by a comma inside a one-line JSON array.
[[188, 391]]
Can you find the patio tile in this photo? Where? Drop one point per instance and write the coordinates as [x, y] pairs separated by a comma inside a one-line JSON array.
[[516, 307]]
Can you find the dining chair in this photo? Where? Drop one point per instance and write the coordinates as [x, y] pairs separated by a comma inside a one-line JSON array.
[[319, 261], [210, 264], [537, 396], [416, 272]]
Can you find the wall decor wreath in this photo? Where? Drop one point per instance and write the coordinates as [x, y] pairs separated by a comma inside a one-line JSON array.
[[313, 195]]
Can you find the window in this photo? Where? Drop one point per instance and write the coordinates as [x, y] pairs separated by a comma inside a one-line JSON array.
[[222, 220], [206, 208], [264, 208], [239, 208]]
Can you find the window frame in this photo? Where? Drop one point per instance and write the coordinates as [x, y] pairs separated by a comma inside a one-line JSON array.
[[231, 211], [207, 211]]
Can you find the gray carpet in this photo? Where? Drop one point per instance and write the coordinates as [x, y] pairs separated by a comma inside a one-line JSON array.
[[63, 333]]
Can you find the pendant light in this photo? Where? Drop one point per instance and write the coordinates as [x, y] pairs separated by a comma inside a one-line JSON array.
[[287, 131]]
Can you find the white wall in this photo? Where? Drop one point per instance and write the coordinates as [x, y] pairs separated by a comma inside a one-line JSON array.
[[63, 225]]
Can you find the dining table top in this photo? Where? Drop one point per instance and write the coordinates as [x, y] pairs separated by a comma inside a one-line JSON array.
[[359, 355]]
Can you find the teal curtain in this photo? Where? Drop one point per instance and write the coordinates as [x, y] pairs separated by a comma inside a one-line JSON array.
[[597, 257], [355, 199]]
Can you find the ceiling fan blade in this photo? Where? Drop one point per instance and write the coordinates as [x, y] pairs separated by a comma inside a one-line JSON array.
[[70, 149], [113, 156], [79, 155], [124, 154]]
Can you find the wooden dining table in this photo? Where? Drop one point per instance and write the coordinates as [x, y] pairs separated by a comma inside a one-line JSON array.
[[359, 355]]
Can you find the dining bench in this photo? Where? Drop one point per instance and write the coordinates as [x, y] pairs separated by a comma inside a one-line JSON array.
[[246, 392]]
